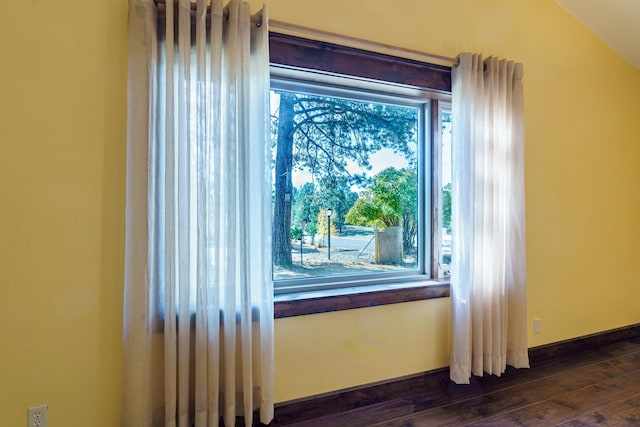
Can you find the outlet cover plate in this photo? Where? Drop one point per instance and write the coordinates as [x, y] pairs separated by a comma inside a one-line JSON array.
[[537, 326], [37, 416]]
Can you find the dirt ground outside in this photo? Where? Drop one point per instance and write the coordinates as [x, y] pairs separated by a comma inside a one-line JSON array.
[[352, 252]]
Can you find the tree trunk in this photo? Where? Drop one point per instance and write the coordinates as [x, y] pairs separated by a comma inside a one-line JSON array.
[[410, 230], [284, 161]]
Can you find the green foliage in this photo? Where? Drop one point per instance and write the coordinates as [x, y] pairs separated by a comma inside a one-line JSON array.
[[368, 210], [305, 208], [296, 233], [322, 224], [337, 195], [391, 195], [446, 207], [311, 229], [391, 200], [308, 202]]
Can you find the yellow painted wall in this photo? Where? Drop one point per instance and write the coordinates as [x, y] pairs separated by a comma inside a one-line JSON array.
[[62, 172], [330, 351]]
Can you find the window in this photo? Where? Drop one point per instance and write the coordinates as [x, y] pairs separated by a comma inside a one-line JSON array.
[[361, 168], [444, 144]]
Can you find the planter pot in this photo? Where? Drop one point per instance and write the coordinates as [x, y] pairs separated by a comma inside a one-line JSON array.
[[389, 245]]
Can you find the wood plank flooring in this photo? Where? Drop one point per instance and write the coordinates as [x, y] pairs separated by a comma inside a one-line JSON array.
[[594, 387]]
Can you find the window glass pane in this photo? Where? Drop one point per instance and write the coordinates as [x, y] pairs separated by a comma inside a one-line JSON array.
[[345, 197], [445, 260]]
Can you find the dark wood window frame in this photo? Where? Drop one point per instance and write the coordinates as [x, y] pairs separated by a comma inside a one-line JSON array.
[[308, 54], [300, 53], [297, 304]]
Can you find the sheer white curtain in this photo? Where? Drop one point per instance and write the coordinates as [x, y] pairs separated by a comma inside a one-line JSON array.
[[198, 313], [488, 287]]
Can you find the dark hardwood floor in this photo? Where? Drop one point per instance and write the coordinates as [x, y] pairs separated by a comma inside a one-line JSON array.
[[600, 386]]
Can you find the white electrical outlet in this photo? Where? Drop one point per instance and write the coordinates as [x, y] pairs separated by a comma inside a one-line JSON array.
[[537, 326], [38, 416]]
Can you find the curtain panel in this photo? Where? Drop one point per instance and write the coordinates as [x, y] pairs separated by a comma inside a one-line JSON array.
[[198, 311], [488, 289]]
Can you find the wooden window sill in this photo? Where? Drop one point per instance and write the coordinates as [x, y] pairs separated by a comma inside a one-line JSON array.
[[313, 302]]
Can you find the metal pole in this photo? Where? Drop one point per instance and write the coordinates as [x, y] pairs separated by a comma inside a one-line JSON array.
[[304, 225], [329, 236]]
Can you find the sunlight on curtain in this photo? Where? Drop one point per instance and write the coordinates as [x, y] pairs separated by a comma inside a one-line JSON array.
[[198, 314], [488, 288]]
